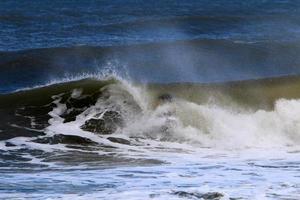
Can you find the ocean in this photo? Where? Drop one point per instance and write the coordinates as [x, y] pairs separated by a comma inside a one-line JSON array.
[[150, 99]]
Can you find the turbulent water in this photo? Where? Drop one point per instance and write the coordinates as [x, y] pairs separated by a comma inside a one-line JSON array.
[[150, 99], [195, 141]]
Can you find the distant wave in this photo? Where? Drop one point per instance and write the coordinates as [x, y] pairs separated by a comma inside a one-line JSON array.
[[178, 61]]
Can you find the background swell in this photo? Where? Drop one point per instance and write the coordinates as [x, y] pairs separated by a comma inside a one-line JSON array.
[[198, 61]]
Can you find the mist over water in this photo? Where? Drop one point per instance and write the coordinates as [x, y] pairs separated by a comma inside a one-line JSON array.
[[149, 100]]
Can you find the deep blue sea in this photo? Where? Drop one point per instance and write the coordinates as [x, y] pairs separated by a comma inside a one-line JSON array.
[[152, 41], [150, 99], [49, 24]]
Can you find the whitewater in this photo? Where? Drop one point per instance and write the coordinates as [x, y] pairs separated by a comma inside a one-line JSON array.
[[186, 146]]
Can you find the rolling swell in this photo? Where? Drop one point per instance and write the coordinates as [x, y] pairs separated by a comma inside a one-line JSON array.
[[202, 61]]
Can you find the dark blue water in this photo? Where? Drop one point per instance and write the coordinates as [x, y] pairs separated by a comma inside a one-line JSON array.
[[219, 40], [43, 24]]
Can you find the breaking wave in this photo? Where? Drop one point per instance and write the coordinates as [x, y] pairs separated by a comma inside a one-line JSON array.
[[228, 115]]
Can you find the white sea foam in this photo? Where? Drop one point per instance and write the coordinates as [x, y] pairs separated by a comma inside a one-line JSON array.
[[206, 148], [208, 125]]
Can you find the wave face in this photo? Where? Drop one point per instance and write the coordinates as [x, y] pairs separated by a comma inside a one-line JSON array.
[[195, 113]]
